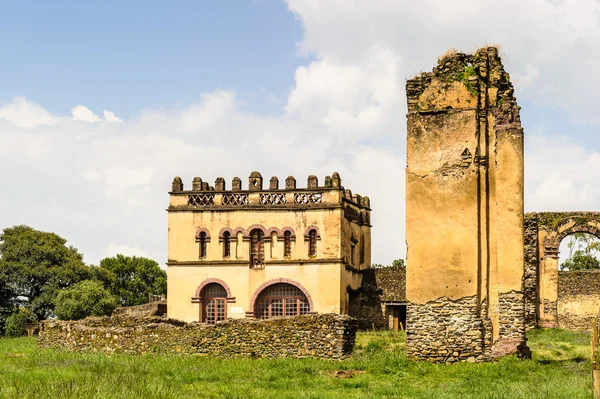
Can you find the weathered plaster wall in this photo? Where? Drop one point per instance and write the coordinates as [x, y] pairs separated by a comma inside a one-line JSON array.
[[464, 228], [578, 299], [324, 336]]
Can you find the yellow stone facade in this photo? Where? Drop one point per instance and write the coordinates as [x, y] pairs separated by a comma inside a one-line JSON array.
[[316, 239]]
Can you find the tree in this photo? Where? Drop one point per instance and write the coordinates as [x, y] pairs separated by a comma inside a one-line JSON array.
[[583, 249], [35, 264], [395, 263], [87, 298], [15, 323], [135, 278]]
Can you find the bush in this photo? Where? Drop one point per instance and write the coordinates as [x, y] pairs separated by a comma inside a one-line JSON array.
[[87, 298], [15, 323]]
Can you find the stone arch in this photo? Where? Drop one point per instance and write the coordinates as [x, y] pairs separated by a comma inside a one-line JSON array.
[[544, 233], [276, 230], [553, 240], [269, 283], [226, 229], [237, 230], [202, 230], [196, 298], [309, 228], [288, 228], [254, 226]]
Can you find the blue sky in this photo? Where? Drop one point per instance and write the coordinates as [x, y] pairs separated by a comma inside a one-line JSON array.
[[132, 55], [103, 103]]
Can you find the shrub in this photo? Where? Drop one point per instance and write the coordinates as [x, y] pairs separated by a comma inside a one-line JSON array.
[[15, 323], [87, 298]]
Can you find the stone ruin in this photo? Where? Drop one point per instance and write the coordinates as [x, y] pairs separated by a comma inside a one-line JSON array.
[[464, 212]]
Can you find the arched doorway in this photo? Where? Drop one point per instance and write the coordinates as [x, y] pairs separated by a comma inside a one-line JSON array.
[[213, 299], [281, 300]]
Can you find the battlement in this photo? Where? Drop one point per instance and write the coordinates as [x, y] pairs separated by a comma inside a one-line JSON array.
[[203, 196]]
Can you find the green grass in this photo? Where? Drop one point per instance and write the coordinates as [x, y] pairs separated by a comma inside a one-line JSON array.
[[379, 369]]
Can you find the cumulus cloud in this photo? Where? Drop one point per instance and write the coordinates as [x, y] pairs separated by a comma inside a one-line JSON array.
[[554, 39], [111, 117], [23, 113], [103, 184]]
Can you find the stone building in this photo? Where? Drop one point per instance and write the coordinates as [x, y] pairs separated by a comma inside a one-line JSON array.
[[391, 281], [464, 211], [265, 252]]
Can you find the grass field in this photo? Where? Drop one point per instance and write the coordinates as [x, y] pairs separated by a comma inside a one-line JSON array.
[[378, 369]]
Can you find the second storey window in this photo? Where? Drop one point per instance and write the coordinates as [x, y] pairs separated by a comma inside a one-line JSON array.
[[362, 249], [287, 244], [202, 240], [257, 250], [226, 244], [312, 243]]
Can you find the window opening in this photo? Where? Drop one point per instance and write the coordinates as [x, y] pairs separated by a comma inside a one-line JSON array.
[[214, 303], [281, 300], [287, 244], [257, 250], [202, 240], [226, 244], [312, 243]]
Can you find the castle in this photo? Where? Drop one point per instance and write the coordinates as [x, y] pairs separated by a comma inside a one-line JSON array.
[[265, 252]]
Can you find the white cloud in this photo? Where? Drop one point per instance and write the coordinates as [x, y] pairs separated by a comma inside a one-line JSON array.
[[81, 113], [554, 39], [111, 117], [23, 113]]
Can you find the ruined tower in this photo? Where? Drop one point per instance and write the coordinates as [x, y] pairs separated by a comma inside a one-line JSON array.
[[464, 211]]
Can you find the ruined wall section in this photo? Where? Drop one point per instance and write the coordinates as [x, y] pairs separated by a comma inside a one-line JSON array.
[[530, 278], [464, 226], [328, 336], [578, 299], [544, 234]]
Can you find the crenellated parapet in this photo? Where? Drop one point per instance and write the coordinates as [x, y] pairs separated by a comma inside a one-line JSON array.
[[203, 197]]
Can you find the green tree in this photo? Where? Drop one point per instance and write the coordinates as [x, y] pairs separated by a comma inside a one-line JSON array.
[[15, 323], [583, 251], [395, 263], [135, 278], [87, 298], [35, 265]]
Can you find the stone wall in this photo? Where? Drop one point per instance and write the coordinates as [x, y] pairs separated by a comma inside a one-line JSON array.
[[158, 308], [325, 336], [530, 277], [447, 331], [578, 299], [370, 315], [392, 282]]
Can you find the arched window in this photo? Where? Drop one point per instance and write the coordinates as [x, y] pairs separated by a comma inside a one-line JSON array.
[[202, 240], [312, 243], [214, 303], [280, 300], [287, 244], [257, 249], [226, 244]]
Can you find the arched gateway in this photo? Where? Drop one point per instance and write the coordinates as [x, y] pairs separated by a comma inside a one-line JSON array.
[[543, 235]]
